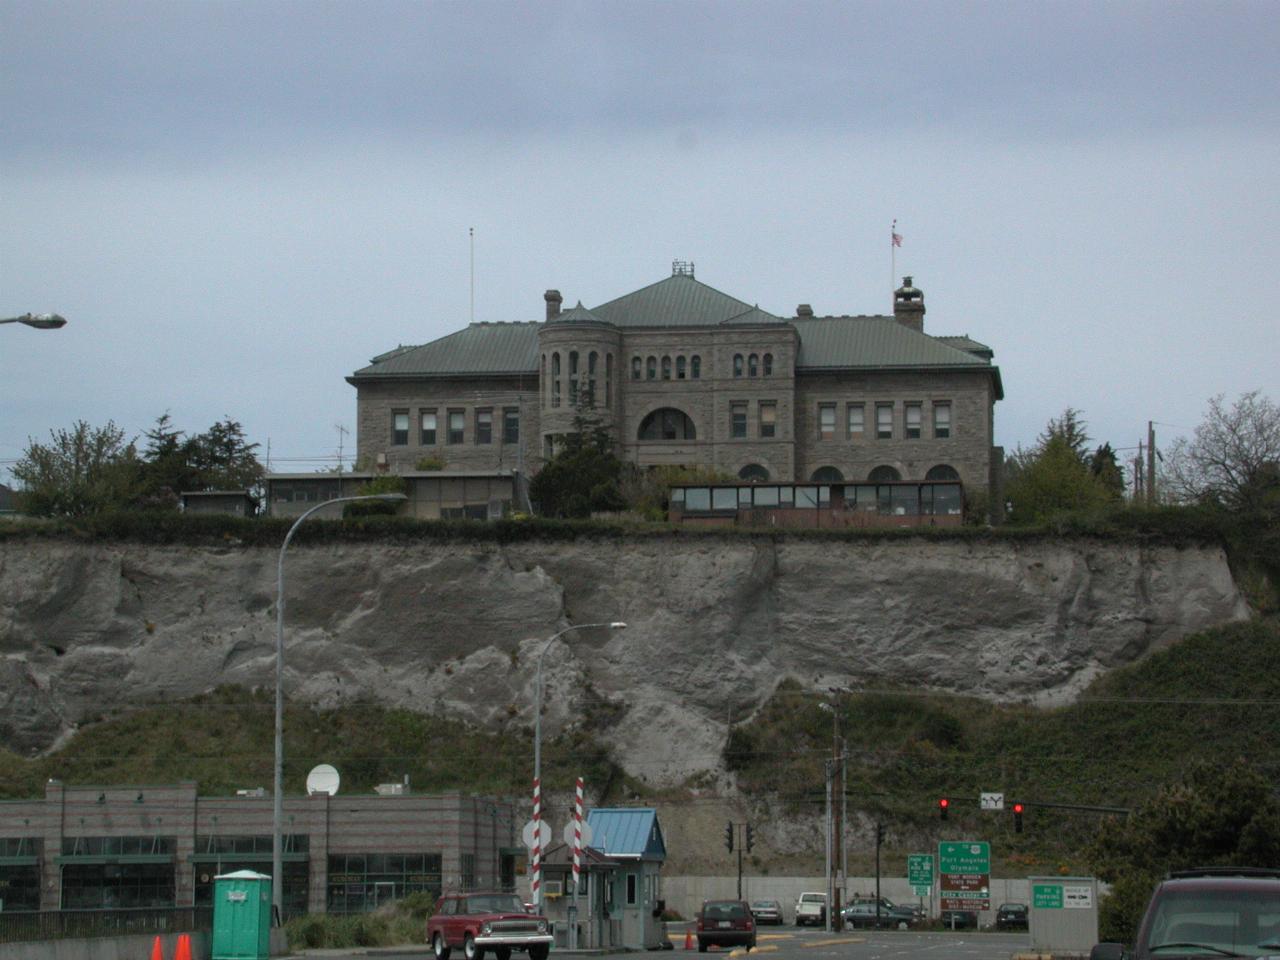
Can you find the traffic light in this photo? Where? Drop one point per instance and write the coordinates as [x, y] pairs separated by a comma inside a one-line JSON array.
[[1017, 818], [944, 805], [728, 835], [750, 841]]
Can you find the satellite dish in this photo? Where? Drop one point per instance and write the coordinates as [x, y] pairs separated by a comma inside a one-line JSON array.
[[323, 778]]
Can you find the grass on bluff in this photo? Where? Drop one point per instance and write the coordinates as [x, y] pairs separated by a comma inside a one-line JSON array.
[[225, 741]]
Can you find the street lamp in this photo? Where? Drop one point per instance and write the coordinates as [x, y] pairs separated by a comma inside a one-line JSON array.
[[537, 716], [277, 811], [41, 321]]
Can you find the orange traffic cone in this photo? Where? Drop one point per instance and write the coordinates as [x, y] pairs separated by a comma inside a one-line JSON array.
[[688, 940], [183, 952], [157, 950]]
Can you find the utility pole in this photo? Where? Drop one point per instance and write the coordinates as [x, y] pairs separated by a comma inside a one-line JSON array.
[[1151, 463], [740, 867], [837, 776]]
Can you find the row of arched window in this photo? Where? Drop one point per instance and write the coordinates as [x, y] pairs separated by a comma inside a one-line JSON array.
[[881, 474], [752, 365], [682, 368], [576, 378]]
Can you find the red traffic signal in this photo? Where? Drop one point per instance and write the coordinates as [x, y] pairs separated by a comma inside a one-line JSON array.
[[1017, 818], [943, 805]]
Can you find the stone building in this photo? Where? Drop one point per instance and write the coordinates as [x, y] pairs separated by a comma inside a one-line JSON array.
[[684, 374]]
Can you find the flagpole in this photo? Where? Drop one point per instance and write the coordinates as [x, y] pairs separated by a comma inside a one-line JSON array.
[[893, 259]]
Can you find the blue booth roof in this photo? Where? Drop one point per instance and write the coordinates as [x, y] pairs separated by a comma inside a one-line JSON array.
[[627, 833]]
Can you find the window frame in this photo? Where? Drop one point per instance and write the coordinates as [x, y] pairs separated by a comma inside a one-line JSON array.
[[768, 427], [510, 415], [826, 431], [461, 414], [849, 432], [400, 435], [916, 408], [483, 426], [738, 420], [946, 428], [423, 441], [881, 432]]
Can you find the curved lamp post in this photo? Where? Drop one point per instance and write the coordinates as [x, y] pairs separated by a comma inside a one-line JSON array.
[[277, 799], [41, 321], [537, 716]]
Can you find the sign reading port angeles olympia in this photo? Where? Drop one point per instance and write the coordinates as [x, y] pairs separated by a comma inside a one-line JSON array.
[[964, 869]]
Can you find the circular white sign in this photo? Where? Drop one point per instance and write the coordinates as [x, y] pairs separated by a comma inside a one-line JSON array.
[[587, 833], [545, 833], [323, 778]]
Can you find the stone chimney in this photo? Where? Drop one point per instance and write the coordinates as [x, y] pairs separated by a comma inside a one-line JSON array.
[[908, 306], [554, 300], [804, 310]]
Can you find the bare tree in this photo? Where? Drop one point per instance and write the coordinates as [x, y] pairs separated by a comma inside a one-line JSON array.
[[1233, 458]]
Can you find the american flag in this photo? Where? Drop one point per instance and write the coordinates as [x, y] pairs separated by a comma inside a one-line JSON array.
[[893, 232]]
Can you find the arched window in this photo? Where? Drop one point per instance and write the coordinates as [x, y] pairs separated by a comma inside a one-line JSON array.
[[555, 364], [666, 368], [884, 474], [737, 364], [753, 471], [753, 366], [573, 378], [608, 379], [635, 368], [542, 376], [680, 368], [768, 364], [651, 368], [942, 472], [592, 359], [667, 424], [695, 367], [827, 475], [555, 379]]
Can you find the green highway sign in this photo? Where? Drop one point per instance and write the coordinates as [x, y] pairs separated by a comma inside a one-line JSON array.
[[920, 869], [964, 856], [1046, 896]]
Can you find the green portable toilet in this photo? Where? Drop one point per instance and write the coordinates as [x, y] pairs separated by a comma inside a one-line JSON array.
[[242, 916]]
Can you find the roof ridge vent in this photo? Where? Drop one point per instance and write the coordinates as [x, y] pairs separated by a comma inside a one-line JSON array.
[[682, 268]]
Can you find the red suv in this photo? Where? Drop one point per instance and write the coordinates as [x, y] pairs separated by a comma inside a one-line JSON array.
[[1212, 912], [477, 922], [725, 923]]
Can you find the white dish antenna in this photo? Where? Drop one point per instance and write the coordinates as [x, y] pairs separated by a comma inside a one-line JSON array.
[[323, 778]]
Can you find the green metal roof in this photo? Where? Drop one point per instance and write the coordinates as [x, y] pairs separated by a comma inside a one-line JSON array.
[[481, 348], [680, 301], [826, 343]]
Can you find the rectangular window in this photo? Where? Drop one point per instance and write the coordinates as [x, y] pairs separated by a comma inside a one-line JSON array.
[[724, 498], [738, 413], [913, 420], [768, 419], [399, 428], [631, 889], [429, 426], [826, 421], [884, 421], [457, 419], [856, 417], [942, 420], [484, 426], [511, 425]]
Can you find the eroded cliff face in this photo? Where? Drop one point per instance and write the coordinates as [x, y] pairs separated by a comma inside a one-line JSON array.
[[713, 625]]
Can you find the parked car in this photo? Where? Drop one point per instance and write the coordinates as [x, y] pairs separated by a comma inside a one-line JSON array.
[[725, 923], [1211, 912], [477, 922], [766, 911], [811, 908], [960, 919], [862, 912], [1011, 916]]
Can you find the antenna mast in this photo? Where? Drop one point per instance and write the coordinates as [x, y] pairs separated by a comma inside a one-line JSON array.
[[471, 231]]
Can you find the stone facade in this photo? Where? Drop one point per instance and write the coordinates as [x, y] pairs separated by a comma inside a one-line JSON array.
[[685, 375]]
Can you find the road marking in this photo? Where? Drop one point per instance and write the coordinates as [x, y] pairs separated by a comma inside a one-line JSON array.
[[740, 952], [828, 943], [776, 936]]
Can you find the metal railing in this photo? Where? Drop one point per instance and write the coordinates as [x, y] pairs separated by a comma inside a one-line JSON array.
[[18, 927]]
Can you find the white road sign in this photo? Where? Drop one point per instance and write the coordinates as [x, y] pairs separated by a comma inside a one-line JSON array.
[[587, 833], [992, 801], [544, 834]]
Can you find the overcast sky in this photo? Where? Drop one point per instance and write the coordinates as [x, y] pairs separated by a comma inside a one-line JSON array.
[[237, 204]]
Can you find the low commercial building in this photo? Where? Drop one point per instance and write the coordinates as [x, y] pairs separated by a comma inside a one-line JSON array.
[[87, 847]]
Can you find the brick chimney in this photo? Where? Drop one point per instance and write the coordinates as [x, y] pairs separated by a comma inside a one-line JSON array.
[[908, 306], [554, 300], [804, 310]]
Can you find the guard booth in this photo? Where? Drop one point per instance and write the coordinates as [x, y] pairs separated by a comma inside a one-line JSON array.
[[1064, 914], [241, 916], [632, 838]]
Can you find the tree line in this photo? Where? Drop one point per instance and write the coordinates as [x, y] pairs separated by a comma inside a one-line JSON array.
[[86, 470]]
